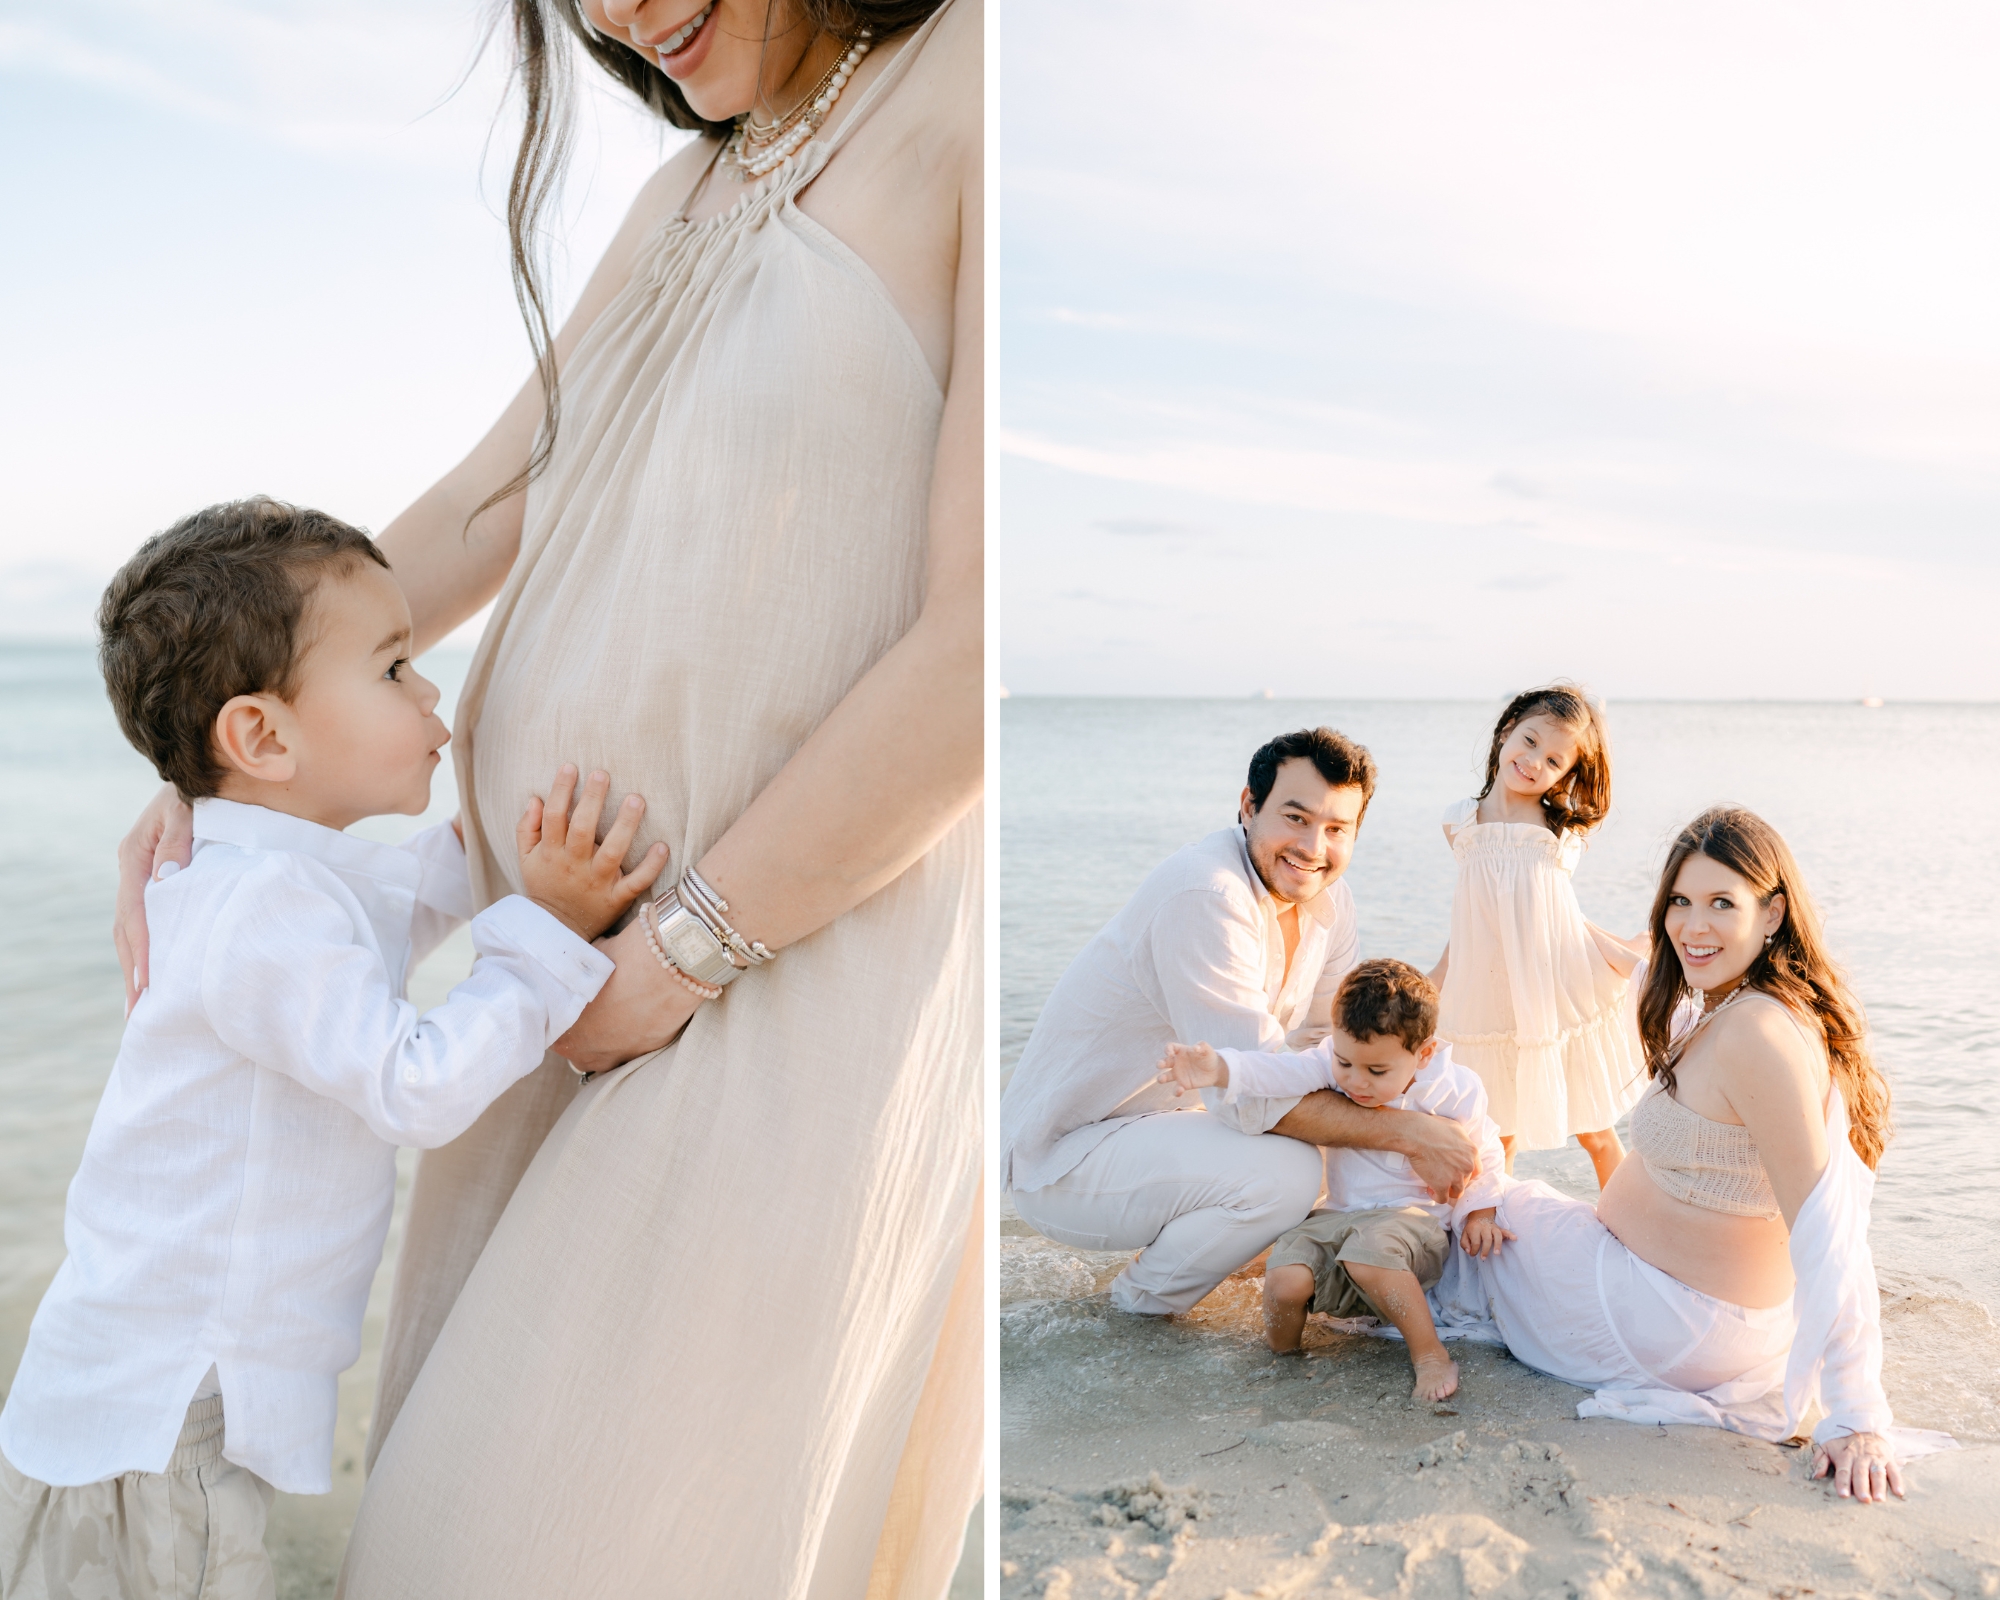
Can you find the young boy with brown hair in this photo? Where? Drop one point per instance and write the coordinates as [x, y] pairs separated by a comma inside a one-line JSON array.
[[1382, 1241], [237, 1181]]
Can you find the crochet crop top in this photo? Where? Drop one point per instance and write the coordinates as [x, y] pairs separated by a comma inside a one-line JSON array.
[[1713, 1165]]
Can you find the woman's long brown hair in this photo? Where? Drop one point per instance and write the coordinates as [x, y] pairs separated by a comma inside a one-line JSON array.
[[544, 33], [1793, 969], [1581, 798]]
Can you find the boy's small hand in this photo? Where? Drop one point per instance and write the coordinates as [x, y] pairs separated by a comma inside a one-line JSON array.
[[566, 872], [1193, 1066], [1482, 1234]]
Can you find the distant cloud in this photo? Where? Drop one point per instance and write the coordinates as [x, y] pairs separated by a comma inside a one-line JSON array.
[[1514, 483], [1147, 528], [48, 52], [1117, 602], [1524, 581], [1082, 319]]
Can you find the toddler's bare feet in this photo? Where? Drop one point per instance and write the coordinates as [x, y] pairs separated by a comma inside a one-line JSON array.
[[1437, 1376]]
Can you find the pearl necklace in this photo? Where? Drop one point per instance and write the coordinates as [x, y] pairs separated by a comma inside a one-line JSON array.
[[1702, 1017], [754, 151]]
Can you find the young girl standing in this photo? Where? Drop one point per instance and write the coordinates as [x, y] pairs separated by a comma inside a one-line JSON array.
[[1532, 996]]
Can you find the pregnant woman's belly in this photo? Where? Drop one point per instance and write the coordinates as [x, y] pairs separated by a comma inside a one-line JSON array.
[[1744, 1260]]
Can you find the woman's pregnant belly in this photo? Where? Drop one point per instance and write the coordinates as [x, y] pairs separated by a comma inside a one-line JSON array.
[[1744, 1260]]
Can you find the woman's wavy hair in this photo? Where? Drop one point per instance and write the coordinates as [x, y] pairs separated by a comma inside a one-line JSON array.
[[1793, 969], [544, 34], [1582, 797]]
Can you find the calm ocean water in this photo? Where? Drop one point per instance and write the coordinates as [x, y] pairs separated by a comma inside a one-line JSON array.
[[1890, 812]]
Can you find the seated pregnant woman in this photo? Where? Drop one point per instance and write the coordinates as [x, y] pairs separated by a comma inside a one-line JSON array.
[[1724, 1277]]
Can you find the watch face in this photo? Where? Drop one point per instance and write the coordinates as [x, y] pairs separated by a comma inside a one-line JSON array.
[[691, 946]]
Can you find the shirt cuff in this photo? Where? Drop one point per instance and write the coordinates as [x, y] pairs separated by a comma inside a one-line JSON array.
[[517, 924], [1232, 1091]]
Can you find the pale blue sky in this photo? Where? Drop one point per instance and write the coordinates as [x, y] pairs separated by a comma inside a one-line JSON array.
[[1432, 349], [249, 248]]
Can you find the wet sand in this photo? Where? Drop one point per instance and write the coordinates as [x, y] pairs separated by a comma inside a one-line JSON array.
[[1180, 1460]]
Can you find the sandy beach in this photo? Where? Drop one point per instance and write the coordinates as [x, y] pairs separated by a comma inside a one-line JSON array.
[[1316, 1475], [1180, 1460]]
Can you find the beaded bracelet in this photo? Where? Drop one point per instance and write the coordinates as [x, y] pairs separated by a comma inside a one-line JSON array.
[[705, 991]]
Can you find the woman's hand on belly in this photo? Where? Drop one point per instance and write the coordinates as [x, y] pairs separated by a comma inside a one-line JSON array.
[[163, 833], [1744, 1260], [639, 1009]]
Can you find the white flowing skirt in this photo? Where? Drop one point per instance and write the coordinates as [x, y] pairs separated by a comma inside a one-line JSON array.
[[1573, 1302]]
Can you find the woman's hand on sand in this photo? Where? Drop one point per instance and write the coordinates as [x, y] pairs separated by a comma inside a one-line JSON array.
[[1193, 1066], [1482, 1234], [639, 1009], [164, 833], [1862, 1465], [565, 871]]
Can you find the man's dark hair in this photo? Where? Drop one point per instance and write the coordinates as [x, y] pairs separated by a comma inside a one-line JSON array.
[[210, 609], [1341, 762], [1387, 997]]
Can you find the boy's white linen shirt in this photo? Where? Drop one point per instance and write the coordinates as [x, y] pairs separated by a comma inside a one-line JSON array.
[[1367, 1180], [238, 1178], [1196, 955]]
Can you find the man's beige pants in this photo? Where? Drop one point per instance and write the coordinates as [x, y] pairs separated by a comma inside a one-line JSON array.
[[193, 1532]]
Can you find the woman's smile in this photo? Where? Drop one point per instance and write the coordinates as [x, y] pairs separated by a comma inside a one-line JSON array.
[[678, 52]]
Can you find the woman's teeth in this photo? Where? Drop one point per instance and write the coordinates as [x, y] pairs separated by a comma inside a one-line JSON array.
[[680, 36], [1701, 952]]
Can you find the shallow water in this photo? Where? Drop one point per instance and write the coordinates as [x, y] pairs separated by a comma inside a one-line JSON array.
[[1888, 810]]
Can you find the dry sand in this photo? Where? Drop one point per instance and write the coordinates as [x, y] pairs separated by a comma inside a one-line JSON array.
[[1180, 1460]]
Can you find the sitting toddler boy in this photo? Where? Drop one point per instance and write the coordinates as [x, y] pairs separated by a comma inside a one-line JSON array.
[[1382, 1242], [236, 1185]]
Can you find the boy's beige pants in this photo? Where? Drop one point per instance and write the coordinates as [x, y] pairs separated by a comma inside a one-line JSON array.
[[193, 1532]]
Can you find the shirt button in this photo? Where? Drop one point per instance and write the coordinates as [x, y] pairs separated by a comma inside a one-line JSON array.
[[409, 1074]]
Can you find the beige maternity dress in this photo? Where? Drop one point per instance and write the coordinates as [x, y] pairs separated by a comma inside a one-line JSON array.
[[724, 1337]]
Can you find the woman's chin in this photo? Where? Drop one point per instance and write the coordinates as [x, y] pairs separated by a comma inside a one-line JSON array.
[[713, 92]]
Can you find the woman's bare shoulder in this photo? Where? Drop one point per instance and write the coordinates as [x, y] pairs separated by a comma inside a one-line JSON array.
[[661, 194], [1765, 1042]]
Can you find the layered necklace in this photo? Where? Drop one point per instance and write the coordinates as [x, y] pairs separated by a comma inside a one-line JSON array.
[[1703, 1015], [755, 149]]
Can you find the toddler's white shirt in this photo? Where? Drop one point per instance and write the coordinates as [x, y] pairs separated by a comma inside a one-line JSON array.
[[239, 1174], [1366, 1180]]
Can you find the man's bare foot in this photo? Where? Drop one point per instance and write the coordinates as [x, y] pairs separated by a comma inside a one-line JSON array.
[[1437, 1377]]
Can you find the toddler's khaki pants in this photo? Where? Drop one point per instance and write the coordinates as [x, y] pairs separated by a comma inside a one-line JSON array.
[[193, 1532]]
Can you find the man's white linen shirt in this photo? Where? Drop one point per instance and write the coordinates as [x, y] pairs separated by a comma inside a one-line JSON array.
[[237, 1182], [1197, 956], [1369, 1180]]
